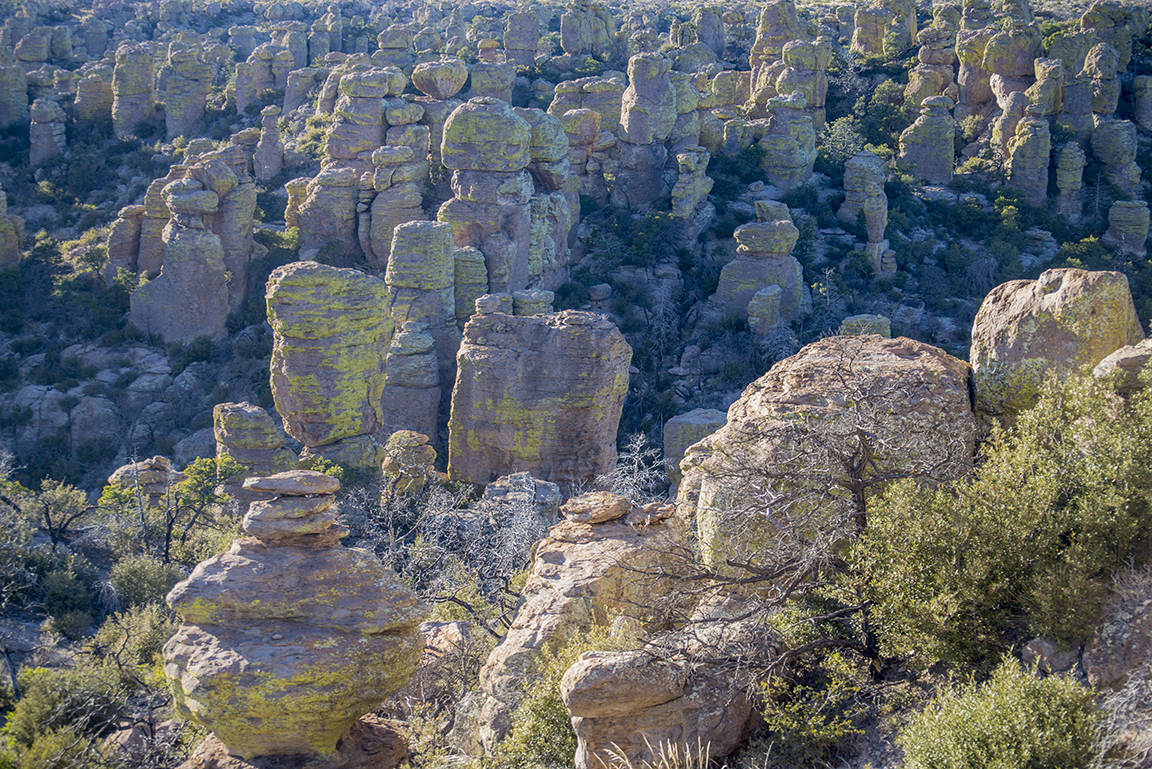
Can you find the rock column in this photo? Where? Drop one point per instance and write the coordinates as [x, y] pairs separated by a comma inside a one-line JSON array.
[[1029, 151], [133, 101], [1128, 227], [185, 82], [539, 394], [269, 158], [1114, 144], [806, 74], [521, 36], [412, 392], [763, 258], [487, 145], [864, 192], [1070, 179], [927, 148], [47, 131], [190, 296], [647, 117], [789, 142]]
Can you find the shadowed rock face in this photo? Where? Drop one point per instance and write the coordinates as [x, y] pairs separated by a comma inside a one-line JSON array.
[[288, 637], [537, 393], [1029, 330], [132, 89]]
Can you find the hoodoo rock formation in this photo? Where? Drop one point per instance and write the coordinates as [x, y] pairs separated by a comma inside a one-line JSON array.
[[288, 638], [539, 394]]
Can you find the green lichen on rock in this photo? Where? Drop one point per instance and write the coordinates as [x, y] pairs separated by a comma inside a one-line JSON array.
[[332, 328], [1028, 331]]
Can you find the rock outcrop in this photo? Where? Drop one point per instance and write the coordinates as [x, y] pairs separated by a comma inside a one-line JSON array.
[[913, 398], [1028, 331], [789, 142], [684, 430], [537, 393], [288, 638], [47, 136], [590, 564], [1128, 227], [185, 81], [1029, 151], [11, 233], [1126, 367]]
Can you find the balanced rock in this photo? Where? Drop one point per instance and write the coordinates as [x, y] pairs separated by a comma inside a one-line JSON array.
[[537, 393], [441, 79], [288, 638], [1028, 331]]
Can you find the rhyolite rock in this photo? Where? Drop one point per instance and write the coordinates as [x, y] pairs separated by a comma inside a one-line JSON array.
[[189, 297], [684, 430], [927, 146], [441, 79], [580, 573], [1128, 227], [47, 133], [288, 638], [331, 328], [789, 142], [11, 233], [1029, 151], [913, 396], [1028, 331], [537, 393]]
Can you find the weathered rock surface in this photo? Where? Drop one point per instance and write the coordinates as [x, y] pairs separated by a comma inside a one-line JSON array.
[[1028, 331], [537, 393], [580, 573], [371, 743], [246, 433], [332, 327], [913, 397], [288, 638], [684, 430], [1127, 366]]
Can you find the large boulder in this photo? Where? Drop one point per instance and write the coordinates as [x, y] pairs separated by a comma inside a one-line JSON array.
[[807, 443], [1028, 331], [537, 393], [288, 638]]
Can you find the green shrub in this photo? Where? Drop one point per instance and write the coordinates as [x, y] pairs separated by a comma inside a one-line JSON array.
[[809, 718], [140, 580], [1024, 548], [1014, 721], [74, 698]]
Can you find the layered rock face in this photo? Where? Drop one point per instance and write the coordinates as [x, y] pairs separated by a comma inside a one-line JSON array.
[[332, 328], [537, 393], [132, 88], [1070, 180], [1114, 145], [933, 76], [154, 477], [913, 398], [805, 73], [288, 638], [269, 158], [1028, 331], [588, 27], [590, 564], [926, 147], [190, 296]]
